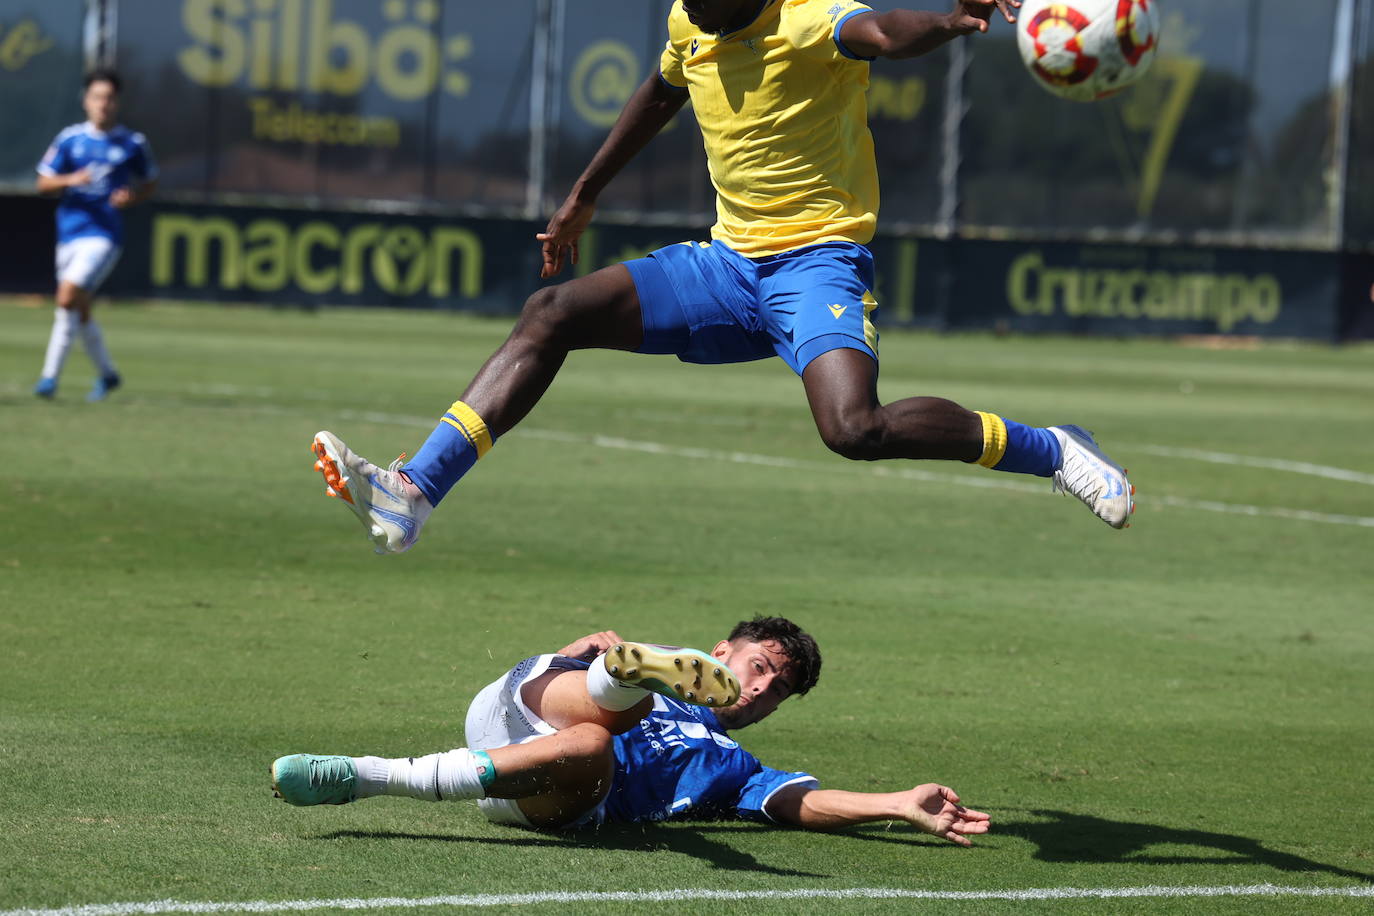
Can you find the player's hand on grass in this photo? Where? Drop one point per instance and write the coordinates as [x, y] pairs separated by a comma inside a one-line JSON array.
[[560, 238], [589, 647], [974, 15], [936, 810]]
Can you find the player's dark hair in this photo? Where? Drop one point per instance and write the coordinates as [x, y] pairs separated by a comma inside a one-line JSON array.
[[797, 644], [103, 75]]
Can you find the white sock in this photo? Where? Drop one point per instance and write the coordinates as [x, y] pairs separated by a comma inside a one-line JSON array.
[[95, 348], [459, 773], [64, 323], [609, 693]]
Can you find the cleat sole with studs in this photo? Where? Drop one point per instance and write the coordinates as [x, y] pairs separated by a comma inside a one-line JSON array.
[[334, 477], [673, 672]]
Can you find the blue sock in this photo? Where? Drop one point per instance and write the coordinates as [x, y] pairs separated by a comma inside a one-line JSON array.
[[450, 452], [1018, 448]]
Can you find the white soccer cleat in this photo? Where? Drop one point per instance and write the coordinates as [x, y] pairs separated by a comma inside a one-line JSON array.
[[392, 519], [1087, 473]]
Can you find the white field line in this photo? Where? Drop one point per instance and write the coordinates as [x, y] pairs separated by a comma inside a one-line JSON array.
[[1164, 451], [901, 471], [685, 894], [1270, 464], [889, 469], [904, 472]]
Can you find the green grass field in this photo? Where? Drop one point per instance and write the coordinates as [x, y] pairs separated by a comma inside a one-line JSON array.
[[1186, 703]]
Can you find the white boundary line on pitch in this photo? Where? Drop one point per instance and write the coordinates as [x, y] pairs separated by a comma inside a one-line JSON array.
[[878, 470], [670, 896], [1164, 451], [887, 469], [909, 473], [999, 482], [1268, 464]]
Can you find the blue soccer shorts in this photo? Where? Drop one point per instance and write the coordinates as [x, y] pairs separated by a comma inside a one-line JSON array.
[[705, 303]]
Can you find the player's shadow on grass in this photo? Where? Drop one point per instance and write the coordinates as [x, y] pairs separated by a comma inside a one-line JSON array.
[[685, 840], [1066, 837]]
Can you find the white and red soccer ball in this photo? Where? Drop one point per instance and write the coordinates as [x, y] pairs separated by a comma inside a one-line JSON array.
[[1088, 49]]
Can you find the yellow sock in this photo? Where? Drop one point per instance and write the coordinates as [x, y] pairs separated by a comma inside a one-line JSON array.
[[994, 439]]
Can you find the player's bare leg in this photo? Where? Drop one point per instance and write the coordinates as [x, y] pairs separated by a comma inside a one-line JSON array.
[[561, 699], [600, 310], [558, 778], [841, 386]]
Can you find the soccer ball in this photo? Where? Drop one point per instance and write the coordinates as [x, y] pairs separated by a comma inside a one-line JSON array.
[[1088, 49]]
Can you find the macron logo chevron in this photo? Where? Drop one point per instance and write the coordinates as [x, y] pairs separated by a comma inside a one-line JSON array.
[[837, 310]]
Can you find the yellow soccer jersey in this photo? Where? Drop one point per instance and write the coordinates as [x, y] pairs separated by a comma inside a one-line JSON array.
[[785, 121]]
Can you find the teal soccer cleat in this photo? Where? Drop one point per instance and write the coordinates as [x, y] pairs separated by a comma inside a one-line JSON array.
[[314, 779], [683, 674]]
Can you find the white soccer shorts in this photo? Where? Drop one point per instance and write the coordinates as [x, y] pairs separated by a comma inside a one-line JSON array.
[[87, 261], [498, 717]]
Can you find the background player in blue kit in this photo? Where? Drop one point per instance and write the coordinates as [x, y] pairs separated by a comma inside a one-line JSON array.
[[575, 739], [100, 168]]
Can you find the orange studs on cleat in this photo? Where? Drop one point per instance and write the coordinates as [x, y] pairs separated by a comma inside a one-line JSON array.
[[338, 486]]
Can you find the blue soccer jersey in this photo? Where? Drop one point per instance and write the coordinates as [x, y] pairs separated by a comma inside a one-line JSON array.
[[678, 762], [119, 158]]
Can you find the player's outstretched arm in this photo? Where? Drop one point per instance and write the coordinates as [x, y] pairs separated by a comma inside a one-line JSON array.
[[646, 113], [910, 33], [931, 808]]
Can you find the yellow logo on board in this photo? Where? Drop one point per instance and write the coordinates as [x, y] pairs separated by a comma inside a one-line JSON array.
[[21, 43], [315, 257], [300, 45]]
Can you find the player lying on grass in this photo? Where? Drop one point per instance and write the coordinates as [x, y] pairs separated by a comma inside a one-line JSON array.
[[777, 87], [577, 739]]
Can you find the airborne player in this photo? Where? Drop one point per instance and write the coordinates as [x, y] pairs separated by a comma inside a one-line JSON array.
[[777, 87]]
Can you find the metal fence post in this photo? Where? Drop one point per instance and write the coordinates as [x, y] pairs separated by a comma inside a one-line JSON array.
[[1342, 92], [951, 158], [543, 60], [951, 135], [98, 33]]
